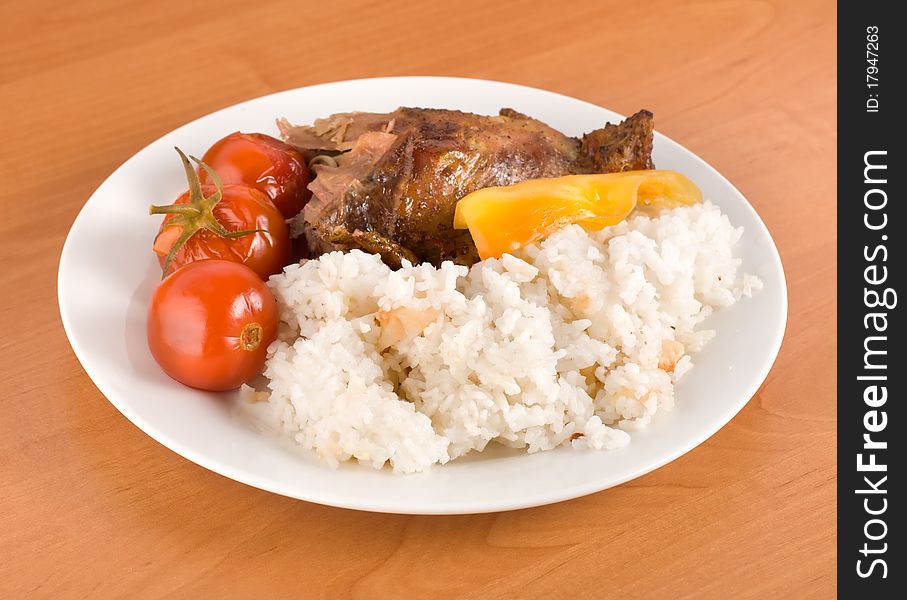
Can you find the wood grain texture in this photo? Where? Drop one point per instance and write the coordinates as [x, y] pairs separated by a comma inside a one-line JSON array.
[[91, 507]]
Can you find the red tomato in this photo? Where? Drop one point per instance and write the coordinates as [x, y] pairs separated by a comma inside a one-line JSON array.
[[262, 162], [243, 226], [210, 324]]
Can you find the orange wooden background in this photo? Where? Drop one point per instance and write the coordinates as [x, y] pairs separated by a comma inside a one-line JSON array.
[[91, 507]]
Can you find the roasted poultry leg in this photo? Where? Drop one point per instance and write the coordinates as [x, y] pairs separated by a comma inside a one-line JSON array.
[[388, 183]]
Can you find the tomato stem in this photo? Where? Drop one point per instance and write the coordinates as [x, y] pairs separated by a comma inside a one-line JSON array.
[[172, 209], [197, 213]]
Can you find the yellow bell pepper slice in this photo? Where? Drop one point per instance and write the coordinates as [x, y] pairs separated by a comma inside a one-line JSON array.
[[504, 219]]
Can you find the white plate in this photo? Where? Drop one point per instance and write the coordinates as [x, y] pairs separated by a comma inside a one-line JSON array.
[[107, 274]]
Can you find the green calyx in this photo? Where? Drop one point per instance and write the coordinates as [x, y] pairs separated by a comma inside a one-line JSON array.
[[197, 213]]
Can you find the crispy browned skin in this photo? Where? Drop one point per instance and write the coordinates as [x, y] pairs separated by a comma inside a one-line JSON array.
[[398, 176], [614, 148]]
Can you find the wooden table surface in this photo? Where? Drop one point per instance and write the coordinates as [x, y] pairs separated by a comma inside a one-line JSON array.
[[92, 507]]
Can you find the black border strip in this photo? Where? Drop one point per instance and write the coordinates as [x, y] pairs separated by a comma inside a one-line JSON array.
[[870, 241]]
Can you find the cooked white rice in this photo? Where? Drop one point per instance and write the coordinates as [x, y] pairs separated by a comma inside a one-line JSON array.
[[577, 340]]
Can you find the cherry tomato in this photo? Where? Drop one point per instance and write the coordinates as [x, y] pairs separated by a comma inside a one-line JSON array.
[[210, 324], [262, 162], [231, 222]]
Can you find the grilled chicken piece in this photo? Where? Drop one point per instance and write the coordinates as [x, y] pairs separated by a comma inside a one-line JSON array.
[[388, 183]]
